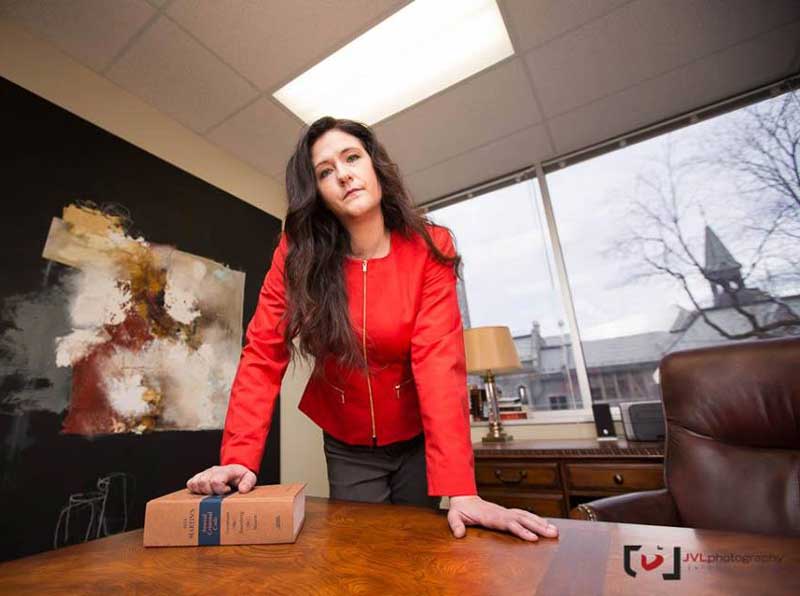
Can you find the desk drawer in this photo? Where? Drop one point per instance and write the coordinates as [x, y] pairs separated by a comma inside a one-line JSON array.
[[517, 474], [618, 477], [543, 505]]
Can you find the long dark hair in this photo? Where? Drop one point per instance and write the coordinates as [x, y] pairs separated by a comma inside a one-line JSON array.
[[317, 312]]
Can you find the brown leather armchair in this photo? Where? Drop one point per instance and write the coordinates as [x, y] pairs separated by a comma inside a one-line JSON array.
[[732, 459]]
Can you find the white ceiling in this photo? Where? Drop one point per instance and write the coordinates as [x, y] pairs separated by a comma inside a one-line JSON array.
[[583, 71]]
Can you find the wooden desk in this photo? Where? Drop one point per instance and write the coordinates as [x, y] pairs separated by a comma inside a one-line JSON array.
[[550, 478], [355, 548]]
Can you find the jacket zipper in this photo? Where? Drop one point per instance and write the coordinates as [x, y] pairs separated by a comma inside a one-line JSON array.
[[364, 345], [400, 384], [339, 389]]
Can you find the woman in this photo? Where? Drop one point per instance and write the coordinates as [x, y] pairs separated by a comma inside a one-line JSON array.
[[368, 288]]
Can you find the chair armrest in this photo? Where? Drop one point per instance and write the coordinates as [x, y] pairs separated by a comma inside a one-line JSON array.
[[654, 507]]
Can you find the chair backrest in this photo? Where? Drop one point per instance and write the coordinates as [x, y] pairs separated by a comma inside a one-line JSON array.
[[733, 436]]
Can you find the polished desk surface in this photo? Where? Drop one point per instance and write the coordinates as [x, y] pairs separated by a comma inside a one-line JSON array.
[[355, 548]]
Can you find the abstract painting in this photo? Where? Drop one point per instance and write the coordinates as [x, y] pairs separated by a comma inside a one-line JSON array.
[[155, 333]]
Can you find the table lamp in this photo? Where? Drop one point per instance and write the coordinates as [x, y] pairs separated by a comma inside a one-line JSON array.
[[491, 350]]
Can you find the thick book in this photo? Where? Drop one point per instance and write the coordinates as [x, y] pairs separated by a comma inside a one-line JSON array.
[[268, 514]]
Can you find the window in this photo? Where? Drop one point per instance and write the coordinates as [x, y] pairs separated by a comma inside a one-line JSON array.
[[686, 240], [683, 241], [509, 279], [610, 386]]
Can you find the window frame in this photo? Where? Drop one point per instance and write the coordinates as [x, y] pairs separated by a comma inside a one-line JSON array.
[[539, 170]]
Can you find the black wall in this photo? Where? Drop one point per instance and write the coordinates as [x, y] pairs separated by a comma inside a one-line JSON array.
[[51, 158]]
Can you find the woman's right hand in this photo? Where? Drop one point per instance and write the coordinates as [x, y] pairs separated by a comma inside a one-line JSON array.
[[219, 480]]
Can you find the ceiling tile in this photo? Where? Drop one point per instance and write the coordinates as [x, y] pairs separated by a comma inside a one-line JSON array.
[[599, 68], [90, 31], [641, 40], [759, 61], [495, 159], [180, 77], [490, 105], [534, 22], [272, 42], [262, 134]]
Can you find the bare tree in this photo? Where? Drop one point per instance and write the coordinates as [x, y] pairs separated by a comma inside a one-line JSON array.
[[664, 208], [760, 147]]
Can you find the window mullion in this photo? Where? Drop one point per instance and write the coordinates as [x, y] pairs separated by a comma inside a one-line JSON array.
[[566, 292]]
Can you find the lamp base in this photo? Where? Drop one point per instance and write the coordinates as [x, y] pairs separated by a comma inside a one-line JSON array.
[[496, 434]]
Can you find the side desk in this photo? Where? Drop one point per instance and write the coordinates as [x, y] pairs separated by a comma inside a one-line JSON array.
[[549, 478]]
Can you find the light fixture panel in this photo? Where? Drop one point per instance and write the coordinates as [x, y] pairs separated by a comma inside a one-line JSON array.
[[421, 49]]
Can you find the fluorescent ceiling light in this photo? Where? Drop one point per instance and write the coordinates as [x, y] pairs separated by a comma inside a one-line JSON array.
[[423, 48]]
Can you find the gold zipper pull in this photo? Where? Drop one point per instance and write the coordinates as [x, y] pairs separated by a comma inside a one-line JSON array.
[[364, 265]]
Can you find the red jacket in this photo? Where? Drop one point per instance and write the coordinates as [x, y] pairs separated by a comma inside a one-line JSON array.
[[406, 306]]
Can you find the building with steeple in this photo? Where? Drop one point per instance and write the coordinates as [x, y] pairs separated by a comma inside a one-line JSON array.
[[724, 273], [622, 368]]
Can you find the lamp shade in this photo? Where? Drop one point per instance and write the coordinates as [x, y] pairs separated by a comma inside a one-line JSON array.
[[490, 349]]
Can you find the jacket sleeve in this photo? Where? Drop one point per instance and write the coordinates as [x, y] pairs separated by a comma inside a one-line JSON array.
[[261, 368], [438, 363]]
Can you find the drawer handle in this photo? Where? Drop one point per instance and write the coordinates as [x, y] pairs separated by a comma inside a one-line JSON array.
[[618, 479], [521, 475]]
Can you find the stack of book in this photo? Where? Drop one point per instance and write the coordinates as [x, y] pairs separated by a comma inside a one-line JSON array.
[[477, 403], [511, 408]]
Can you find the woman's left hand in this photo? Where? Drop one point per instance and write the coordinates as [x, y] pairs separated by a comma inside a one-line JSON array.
[[474, 511]]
